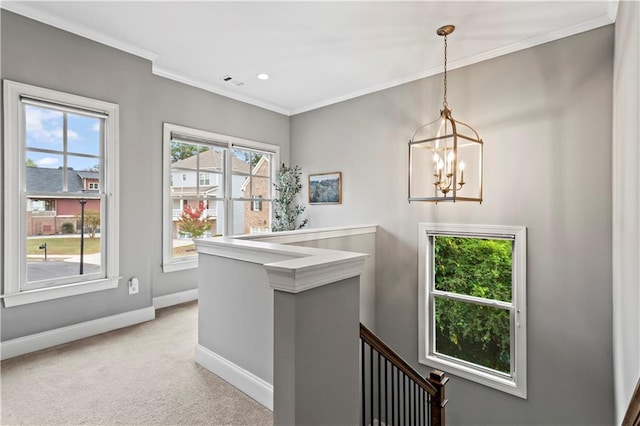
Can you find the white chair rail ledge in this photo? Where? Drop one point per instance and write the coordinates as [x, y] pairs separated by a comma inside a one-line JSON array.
[[291, 268]]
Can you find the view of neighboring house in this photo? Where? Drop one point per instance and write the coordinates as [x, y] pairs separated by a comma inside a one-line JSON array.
[[192, 179], [200, 177], [46, 216], [256, 213]]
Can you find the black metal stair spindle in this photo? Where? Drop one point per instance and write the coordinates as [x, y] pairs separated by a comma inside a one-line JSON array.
[[371, 384], [362, 380]]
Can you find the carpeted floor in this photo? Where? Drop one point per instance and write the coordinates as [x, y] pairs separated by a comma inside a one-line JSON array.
[[142, 375]]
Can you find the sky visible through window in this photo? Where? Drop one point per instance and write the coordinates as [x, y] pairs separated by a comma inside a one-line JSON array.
[[45, 130]]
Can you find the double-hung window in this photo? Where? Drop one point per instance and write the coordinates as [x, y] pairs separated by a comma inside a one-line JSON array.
[[60, 198], [211, 184], [472, 303]]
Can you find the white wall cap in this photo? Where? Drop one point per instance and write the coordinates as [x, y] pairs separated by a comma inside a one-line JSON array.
[[293, 268]]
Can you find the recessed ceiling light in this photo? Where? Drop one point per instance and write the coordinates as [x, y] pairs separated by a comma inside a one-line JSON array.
[[263, 76]]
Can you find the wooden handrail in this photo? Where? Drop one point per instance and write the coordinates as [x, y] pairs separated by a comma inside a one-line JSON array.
[[632, 418], [375, 342]]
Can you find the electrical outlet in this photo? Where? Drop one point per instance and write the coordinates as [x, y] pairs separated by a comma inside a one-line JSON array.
[[133, 285]]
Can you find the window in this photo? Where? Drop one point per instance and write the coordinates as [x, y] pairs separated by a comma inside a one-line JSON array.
[[211, 183], [473, 303], [204, 178], [93, 185], [53, 142], [256, 205], [38, 206]]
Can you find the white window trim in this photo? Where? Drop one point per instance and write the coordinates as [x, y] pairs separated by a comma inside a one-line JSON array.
[[14, 266], [515, 385], [168, 263]]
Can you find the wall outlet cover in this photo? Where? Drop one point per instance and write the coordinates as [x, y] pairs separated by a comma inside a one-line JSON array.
[[133, 285]]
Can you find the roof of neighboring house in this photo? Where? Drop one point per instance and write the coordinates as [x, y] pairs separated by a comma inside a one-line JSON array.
[[210, 160], [88, 174], [40, 179]]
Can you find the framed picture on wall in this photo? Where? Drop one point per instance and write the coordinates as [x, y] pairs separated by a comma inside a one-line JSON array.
[[325, 188]]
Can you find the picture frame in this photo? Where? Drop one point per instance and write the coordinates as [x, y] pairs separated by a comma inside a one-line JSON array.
[[325, 188]]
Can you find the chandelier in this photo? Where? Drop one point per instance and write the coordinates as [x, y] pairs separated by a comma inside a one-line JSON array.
[[441, 151]]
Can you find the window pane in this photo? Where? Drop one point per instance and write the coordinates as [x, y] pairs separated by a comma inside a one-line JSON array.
[[262, 169], [54, 238], [44, 172], [211, 159], [251, 217], [242, 161], [251, 174], [261, 187], [474, 333], [184, 169], [82, 174], [83, 134], [254, 186], [44, 128], [194, 219], [196, 170], [473, 266]]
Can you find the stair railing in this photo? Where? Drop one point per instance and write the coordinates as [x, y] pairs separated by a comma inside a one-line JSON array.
[[392, 392], [632, 417]]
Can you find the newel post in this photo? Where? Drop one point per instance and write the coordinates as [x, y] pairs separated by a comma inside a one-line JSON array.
[[316, 318], [438, 379]]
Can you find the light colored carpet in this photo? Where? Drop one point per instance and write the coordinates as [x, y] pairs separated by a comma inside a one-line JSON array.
[[143, 375]]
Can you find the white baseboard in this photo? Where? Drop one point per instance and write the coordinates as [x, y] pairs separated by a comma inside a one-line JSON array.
[[242, 379], [175, 298], [58, 336]]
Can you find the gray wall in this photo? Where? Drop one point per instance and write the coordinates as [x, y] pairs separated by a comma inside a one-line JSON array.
[[626, 205], [38, 54], [237, 293], [545, 116]]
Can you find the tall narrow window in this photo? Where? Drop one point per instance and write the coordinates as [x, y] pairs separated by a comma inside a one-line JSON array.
[[473, 303], [211, 182], [60, 181]]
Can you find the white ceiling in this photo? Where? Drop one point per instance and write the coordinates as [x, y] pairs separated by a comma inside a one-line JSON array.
[[316, 53]]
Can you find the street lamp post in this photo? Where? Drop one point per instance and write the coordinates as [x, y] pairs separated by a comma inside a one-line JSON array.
[[82, 203]]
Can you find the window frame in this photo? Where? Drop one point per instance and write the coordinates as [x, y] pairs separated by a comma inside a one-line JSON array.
[[228, 143], [514, 383], [15, 194]]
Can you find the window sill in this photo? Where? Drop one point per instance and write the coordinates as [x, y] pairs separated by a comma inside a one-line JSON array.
[[504, 384], [181, 265], [51, 293]]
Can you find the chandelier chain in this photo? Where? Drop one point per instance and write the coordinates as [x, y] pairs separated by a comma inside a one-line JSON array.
[[444, 102]]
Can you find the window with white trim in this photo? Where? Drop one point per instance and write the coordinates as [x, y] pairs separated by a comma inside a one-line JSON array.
[[473, 303], [205, 179], [54, 141], [211, 182]]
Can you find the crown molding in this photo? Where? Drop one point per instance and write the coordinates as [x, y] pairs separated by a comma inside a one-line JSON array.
[[163, 72], [22, 9], [592, 24]]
